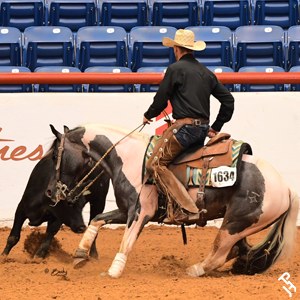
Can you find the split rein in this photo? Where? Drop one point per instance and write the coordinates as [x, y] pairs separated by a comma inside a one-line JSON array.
[[61, 188]]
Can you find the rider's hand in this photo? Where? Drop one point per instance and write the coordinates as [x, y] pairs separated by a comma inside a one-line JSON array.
[[212, 133], [146, 121]]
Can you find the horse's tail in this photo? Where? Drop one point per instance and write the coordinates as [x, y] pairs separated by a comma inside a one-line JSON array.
[[279, 240]]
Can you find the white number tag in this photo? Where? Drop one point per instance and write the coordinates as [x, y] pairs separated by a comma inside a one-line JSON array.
[[223, 176]]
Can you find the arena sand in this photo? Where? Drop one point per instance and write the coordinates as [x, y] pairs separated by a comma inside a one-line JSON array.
[[155, 269]]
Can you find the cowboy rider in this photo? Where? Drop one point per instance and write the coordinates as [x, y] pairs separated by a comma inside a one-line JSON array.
[[188, 85]]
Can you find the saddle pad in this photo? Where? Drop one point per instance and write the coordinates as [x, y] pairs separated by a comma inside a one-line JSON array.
[[193, 175]]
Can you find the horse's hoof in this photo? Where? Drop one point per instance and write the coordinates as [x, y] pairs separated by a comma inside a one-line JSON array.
[[79, 263], [195, 270]]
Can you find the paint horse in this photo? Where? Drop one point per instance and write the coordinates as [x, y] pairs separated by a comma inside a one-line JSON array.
[[258, 199]]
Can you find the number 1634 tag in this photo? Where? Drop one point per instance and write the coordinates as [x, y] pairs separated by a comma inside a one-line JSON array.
[[223, 176]]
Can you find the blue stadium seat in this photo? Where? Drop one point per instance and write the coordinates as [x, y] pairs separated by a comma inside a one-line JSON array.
[[15, 88], [283, 13], [231, 14], [258, 46], [179, 14], [146, 49], [48, 46], [218, 51], [149, 87], [220, 69], [292, 47], [260, 87], [57, 88], [123, 13], [294, 87], [10, 46], [21, 14], [109, 88], [71, 14], [101, 46]]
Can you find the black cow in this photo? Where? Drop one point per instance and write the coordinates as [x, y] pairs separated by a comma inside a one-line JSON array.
[[39, 208]]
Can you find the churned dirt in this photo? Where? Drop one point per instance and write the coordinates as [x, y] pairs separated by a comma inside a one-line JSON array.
[[155, 269]]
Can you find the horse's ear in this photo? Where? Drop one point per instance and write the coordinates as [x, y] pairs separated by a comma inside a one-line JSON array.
[[55, 132], [66, 129]]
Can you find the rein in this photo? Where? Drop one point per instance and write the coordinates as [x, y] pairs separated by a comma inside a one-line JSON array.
[[96, 165]]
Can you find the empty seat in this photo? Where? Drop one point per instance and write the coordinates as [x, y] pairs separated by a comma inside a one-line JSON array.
[[218, 51], [101, 46], [294, 87], [21, 14], [108, 88], [146, 48], [179, 14], [231, 14], [10, 46], [123, 13], [48, 46], [71, 14], [293, 47], [258, 46], [260, 87], [57, 88], [15, 88], [149, 87], [220, 69], [283, 13]]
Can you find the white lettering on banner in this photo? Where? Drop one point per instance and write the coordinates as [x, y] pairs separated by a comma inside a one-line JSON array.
[[223, 176], [287, 283], [18, 151]]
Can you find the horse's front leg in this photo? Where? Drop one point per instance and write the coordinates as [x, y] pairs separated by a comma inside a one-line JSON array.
[[114, 217], [143, 213]]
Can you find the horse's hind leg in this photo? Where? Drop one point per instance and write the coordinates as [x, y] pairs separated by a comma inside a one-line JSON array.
[[217, 256]]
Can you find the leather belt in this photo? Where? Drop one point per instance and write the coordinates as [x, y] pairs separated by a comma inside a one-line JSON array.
[[193, 121]]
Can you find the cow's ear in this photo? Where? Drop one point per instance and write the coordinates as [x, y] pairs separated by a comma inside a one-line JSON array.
[[66, 129], [55, 132]]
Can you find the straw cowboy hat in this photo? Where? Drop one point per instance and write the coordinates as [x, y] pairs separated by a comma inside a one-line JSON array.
[[184, 38]]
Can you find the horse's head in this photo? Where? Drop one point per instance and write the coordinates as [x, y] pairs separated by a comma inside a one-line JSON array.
[[71, 164]]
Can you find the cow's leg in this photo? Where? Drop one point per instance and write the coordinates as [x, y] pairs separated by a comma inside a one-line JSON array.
[[142, 214], [52, 229], [15, 233], [113, 217]]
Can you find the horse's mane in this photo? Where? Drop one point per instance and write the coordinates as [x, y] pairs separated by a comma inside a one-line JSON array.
[[122, 130], [53, 145]]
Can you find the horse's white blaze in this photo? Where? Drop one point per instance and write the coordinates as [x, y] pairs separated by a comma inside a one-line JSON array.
[[131, 149]]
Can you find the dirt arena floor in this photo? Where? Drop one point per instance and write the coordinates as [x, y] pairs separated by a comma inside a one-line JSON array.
[[155, 269]]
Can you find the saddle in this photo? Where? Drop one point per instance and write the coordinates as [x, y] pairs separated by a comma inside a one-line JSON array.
[[217, 152]]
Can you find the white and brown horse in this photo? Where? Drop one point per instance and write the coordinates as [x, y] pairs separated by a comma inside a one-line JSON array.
[[259, 199]]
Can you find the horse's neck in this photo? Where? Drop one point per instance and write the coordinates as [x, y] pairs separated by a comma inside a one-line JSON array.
[[130, 150]]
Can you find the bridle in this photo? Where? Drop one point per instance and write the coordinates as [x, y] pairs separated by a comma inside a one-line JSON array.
[[62, 188]]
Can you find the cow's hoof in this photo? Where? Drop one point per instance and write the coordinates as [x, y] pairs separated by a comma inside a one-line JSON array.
[[37, 259], [2, 258], [79, 263]]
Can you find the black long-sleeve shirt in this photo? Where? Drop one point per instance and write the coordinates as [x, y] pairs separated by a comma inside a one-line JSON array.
[[188, 85]]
